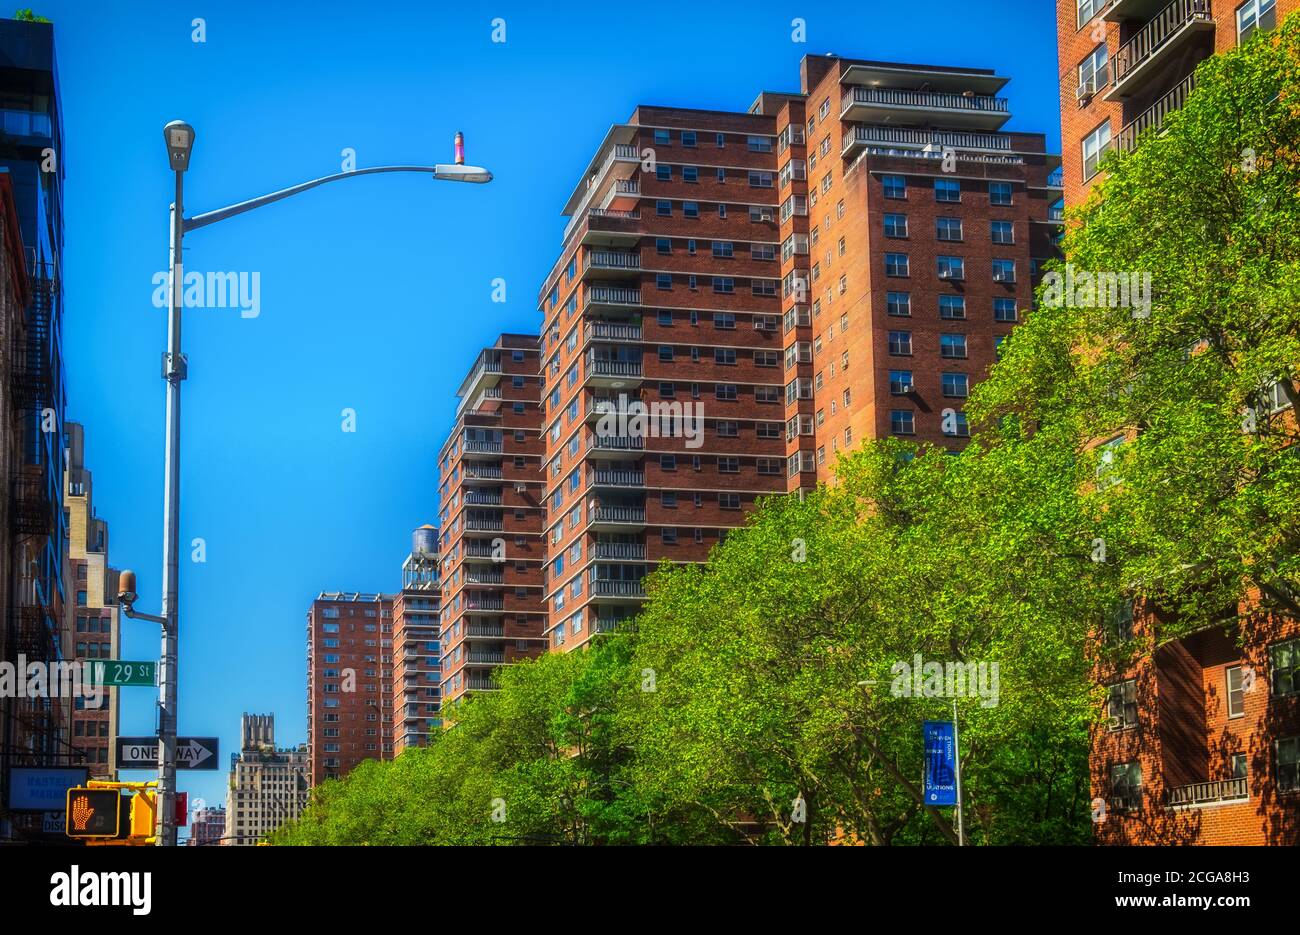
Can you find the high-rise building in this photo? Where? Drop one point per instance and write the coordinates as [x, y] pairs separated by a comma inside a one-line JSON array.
[[93, 611], [491, 519], [349, 681], [207, 827], [417, 666], [269, 785], [740, 297], [33, 562], [1202, 744]]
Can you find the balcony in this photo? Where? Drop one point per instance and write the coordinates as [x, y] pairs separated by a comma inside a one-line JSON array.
[[1157, 42], [605, 371], [933, 140], [608, 587], [483, 524], [623, 195], [610, 624], [964, 110], [1124, 11], [608, 262], [485, 629], [483, 498], [621, 551], [617, 296], [611, 478], [26, 123], [485, 605], [485, 577], [484, 658], [609, 226], [610, 331], [598, 406], [618, 516], [620, 164], [1208, 793], [1056, 178], [614, 445], [1153, 118], [486, 373], [482, 472], [481, 685], [482, 448], [479, 550]]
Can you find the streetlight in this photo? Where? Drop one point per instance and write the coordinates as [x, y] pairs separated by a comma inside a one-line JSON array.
[[179, 137]]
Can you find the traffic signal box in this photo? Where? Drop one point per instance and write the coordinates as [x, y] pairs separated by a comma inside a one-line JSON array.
[[112, 813]]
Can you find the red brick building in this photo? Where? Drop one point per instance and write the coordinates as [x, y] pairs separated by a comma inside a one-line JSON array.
[[417, 669], [1203, 736], [773, 287], [491, 519], [349, 681]]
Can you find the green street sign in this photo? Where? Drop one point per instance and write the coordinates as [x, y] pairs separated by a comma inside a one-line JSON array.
[[115, 672]]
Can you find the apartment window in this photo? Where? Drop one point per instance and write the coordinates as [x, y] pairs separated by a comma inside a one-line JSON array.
[[722, 176], [668, 535], [1126, 786], [765, 359], [952, 306], [1288, 764], [664, 281], [662, 138], [725, 391], [721, 140], [664, 208], [947, 228], [760, 179], [664, 172], [762, 251], [952, 346], [900, 382], [951, 267], [899, 304], [688, 139], [1117, 623], [956, 385], [900, 343], [724, 284], [759, 144], [1004, 270], [726, 321], [668, 462], [1095, 145], [665, 353], [663, 246], [1106, 472], [729, 501], [895, 186], [768, 430], [725, 356], [1284, 660], [895, 225], [1003, 232], [958, 428], [896, 265], [723, 249], [1235, 694], [690, 247], [1000, 193], [690, 209], [728, 465], [1094, 71], [668, 499], [902, 422], [1253, 15], [947, 190], [1004, 310], [728, 429]]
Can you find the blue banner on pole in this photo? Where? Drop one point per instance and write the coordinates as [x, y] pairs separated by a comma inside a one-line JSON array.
[[940, 764]]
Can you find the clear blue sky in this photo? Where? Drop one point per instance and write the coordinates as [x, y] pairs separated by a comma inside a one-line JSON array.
[[375, 293]]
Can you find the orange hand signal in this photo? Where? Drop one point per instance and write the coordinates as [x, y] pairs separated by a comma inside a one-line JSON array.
[[81, 812]]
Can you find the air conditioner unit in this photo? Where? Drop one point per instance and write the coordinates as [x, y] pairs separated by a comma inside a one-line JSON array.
[[1086, 91], [521, 488], [945, 274]]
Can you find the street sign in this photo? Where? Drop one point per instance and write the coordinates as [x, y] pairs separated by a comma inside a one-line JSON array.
[[118, 672], [940, 787], [43, 788], [191, 752]]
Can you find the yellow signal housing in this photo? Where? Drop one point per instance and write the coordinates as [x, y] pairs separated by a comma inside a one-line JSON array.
[[101, 815]]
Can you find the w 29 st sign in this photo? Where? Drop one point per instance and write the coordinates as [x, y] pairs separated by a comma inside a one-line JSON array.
[[191, 752]]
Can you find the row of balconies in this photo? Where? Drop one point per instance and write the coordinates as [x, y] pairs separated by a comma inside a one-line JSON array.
[[957, 110]]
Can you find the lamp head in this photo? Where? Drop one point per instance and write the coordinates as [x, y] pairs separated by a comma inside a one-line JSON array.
[[126, 588], [179, 137]]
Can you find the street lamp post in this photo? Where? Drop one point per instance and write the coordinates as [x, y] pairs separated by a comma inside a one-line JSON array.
[[179, 137]]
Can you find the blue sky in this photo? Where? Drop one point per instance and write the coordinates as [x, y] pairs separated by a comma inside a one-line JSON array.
[[375, 292]]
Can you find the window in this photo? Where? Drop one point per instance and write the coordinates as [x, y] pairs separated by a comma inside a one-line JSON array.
[[896, 265], [762, 251], [1000, 193], [947, 228], [690, 173], [664, 208], [1126, 786], [1088, 9], [723, 249], [721, 139], [690, 209], [958, 427], [951, 267], [725, 391], [1288, 764], [895, 186], [662, 138], [729, 501], [956, 385], [1004, 270], [952, 306], [952, 346], [1095, 145], [1003, 232], [688, 139], [725, 356], [902, 422], [1094, 71], [1284, 663], [664, 172], [895, 225], [665, 353], [759, 144], [1235, 694], [728, 465], [1106, 472], [900, 382], [728, 429], [947, 190], [668, 535], [664, 281], [725, 321], [724, 284], [899, 304], [1117, 623], [900, 343], [1255, 14], [760, 179], [1004, 309]]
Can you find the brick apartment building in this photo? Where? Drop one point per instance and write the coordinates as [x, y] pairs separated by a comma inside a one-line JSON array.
[[349, 681], [491, 519], [417, 668], [831, 266], [93, 611], [1203, 740]]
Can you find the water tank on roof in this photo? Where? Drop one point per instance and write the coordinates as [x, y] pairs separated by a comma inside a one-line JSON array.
[[424, 540]]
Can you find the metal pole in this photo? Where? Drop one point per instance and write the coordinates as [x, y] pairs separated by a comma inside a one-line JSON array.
[[173, 373], [956, 755]]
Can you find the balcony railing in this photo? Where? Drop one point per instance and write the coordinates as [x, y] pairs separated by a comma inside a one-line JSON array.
[[482, 498], [901, 98], [620, 478], [606, 259], [621, 188], [619, 514], [617, 442], [483, 472], [1056, 178], [488, 448], [607, 587], [1153, 118], [613, 295], [481, 685], [1151, 38], [485, 577], [621, 152], [482, 524], [487, 657], [25, 123], [621, 551], [947, 138], [484, 629], [477, 550], [485, 603], [610, 624], [1056, 212], [603, 367], [611, 331], [1205, 793]]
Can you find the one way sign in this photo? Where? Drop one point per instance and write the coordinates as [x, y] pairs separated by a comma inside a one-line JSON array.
[[191, 752]]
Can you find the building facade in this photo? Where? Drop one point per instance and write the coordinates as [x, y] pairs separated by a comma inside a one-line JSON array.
[[93, 610], [491, 519], [417, 658], [766, 290], [207, 827], [33, 550], [349, 681], [269, 785], [1201, 743]]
